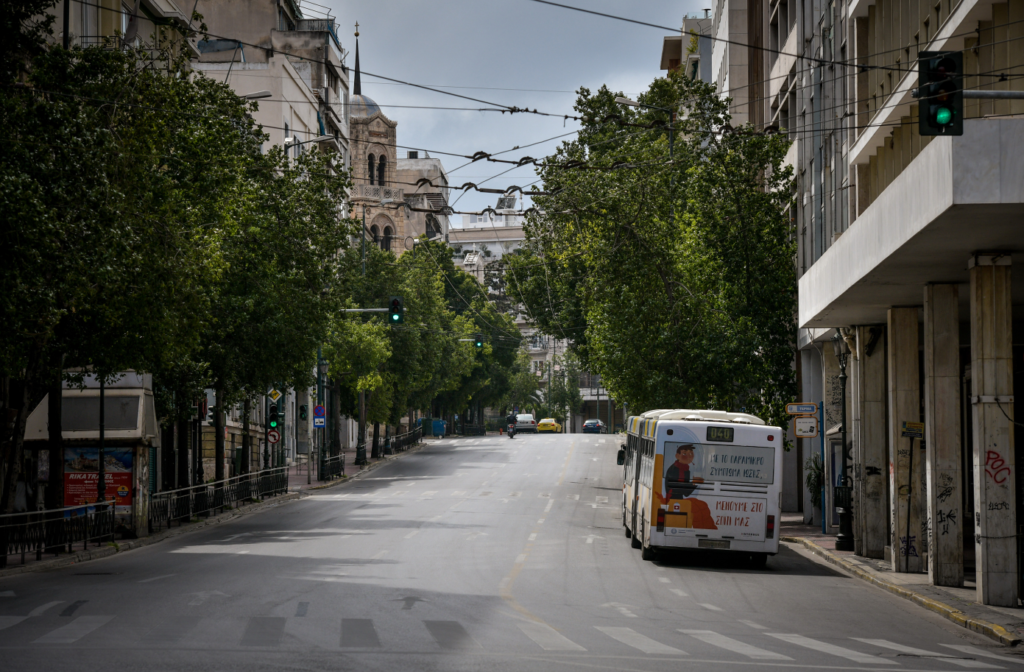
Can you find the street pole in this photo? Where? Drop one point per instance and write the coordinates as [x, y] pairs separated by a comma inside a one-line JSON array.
[[844, 540], [361, 441], [101, 486], [266, 433], [67, 24]]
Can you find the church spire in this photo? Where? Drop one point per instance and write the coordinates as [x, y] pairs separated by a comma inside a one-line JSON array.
[[357, 88]]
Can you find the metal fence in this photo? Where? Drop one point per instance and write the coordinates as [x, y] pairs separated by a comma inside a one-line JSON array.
[[474, 430], [397, 444], [55, 530], [331, 467], [184, 504]]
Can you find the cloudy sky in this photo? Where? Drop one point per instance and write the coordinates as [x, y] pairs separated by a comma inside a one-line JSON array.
[[509, 52]]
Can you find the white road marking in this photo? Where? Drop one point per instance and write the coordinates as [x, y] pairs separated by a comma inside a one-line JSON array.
[[75, 630], [412, 534], [428, 494], [975, 651], [548, 638], [521, 558], [548, 507], [630, 637], [458, 493], [39, 611], [945, 657], [8, 621], [678, 592], [710, 607], [532, 537], [734, 645], [830, 649], [242, 553], [664, 579], [573, 497], [601, 500], [379, 555], [590, 538], [540, 522], [755, 626], [621, 608]]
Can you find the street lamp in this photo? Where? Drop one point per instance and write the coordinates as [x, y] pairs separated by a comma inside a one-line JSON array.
[[321, 380], [671, 139], [842, 495], [257, 95]]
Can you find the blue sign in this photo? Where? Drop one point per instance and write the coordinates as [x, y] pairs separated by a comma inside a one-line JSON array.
[[801, 409], [319, 422], [319, 412]]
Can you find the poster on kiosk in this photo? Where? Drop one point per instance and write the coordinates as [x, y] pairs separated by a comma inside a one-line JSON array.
[[81, 477]]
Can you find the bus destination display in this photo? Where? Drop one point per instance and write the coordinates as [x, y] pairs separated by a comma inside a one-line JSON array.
[[721, 434]]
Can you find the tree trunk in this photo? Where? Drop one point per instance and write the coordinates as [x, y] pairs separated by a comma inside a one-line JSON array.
[[16, 444], [246, 439], [362, 421], [218, 436], [376, 441], [183, 445], [55, 487]]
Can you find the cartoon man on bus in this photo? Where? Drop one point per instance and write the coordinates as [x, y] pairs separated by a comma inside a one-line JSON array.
[[680, 483]]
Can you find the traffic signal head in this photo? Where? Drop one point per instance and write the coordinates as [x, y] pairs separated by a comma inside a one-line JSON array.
[[478, 340], [396, 310], [273, 419], [303, 412], [940, 92]]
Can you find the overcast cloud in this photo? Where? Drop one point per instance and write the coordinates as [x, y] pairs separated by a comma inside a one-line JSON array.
[[504, 44]]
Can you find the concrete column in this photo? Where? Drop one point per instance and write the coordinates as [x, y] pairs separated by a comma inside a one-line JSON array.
[[869, 442], [905, 466], [995, 524], [942, 434]]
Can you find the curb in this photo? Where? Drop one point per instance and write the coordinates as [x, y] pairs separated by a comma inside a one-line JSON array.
[[116, 547], [370, 467], [990, 630]]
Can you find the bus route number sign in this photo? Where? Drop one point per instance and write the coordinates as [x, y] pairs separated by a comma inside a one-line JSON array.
[[721, 434]]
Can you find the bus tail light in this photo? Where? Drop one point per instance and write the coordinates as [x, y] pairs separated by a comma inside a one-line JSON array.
[[771, 527], [661, 520]]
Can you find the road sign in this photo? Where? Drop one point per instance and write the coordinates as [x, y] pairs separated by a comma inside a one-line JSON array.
[[319, 411], [274, 395], [319, 422], [801, 409], [805, 427], [273, 436], [912, 430]]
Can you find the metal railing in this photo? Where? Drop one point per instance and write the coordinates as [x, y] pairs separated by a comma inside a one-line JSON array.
[[397, 444], [331, 467], [211, 498], [55, 530], [473, 430]]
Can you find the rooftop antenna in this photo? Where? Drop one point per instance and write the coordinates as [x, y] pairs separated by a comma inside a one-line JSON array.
[[706, 16]]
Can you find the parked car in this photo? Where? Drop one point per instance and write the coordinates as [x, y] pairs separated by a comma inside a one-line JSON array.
[[549, 425], [593, 427], [526, 423]]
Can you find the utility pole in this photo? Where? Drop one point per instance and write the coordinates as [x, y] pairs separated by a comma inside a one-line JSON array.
[[101, 486]]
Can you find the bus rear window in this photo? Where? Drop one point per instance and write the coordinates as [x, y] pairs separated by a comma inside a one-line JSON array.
[[711, 463]]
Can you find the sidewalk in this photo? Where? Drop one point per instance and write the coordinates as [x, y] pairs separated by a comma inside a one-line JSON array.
[[297, 473], [1003, 624]]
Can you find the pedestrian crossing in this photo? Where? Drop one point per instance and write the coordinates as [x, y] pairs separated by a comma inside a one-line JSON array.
[[407, 633]]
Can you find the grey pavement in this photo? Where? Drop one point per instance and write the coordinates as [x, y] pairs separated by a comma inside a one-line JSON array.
[[477, 553]]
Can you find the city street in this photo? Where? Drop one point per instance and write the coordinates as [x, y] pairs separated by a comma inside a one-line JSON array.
[[469, 554]]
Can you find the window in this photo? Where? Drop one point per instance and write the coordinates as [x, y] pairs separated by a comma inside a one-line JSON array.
[[381, 170], [370, 164], [386, 243], [375, 233]]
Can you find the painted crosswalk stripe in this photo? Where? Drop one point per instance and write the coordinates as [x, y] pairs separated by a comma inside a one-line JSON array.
[[710, 607], [8, 621], [40, 610], [263, 631], [75, 630], [975, 651], [677, 591], [752, 624], [359, 633], [631, 637], [548, 638], [830, 649], [451, 635], [944, 657], [734, 645]]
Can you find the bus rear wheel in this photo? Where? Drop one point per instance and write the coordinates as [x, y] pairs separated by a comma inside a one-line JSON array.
[[647, 551], [758, 560]]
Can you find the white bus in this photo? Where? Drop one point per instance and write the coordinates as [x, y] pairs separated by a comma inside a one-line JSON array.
[[702, 479]]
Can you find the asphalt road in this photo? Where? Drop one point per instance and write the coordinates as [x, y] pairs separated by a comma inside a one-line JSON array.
[[470, 554]]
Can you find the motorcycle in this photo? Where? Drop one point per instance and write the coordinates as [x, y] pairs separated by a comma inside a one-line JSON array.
[[512, 430]]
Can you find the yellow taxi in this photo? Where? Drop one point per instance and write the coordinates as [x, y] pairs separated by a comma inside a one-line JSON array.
[[548, 425]]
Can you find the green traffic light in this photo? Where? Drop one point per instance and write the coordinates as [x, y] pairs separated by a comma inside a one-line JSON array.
[[273, 424], [394, 318], [943, 115]]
